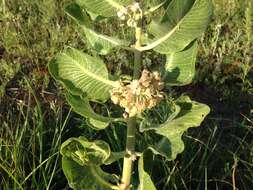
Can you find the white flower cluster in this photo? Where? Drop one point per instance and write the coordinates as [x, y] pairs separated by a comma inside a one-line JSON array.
[[131, 14], [139, 95]]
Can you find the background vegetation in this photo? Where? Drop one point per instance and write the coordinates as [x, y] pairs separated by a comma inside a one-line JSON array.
[[34, 118]]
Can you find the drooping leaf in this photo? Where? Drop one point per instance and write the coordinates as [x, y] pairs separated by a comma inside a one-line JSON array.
[[84, 177], [145, 180], [85, 152], [191, 115], [82, 107], [184, 21], [103, 44], [82, 74], [82, 160], [106, 8], [180, 66]]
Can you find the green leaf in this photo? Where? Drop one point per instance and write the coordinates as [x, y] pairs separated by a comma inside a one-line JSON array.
[[183, 22], [103, 44], [145, 180], [114, 156], [82, 74], [151, 6], [180, 66], [82, 107], [84, 177], [77, 13], [84, 152], [106, 8], [191, 114], [98, 125], [82, 160]]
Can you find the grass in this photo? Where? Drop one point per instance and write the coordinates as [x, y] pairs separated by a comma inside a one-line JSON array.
[[35, 120]]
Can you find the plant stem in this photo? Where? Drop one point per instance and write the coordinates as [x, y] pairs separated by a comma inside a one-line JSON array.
[[3, 7], [128, 160], [137, 53], [131, 123]]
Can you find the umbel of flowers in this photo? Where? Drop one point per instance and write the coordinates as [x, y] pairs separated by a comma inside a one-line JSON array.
[[139, 95]]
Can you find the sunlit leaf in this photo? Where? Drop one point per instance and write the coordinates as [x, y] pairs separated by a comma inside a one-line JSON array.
[[184, 21], [82, 74]]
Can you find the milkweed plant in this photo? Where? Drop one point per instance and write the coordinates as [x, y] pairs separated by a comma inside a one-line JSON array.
[[168, 28]]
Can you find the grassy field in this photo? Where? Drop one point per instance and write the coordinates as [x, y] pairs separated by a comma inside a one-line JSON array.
[[35, 119]]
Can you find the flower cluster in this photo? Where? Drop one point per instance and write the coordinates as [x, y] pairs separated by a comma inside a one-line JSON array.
[[131, 14], [139, 95]]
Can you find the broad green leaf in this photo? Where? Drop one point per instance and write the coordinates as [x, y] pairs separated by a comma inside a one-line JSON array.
[[82, 160], [176, 10], [85, 177], [145, 180], [82, 74], [180, 66], [183, 22], [85, 152], [106, 8], [82, 107], [191, 115], [103, 44]]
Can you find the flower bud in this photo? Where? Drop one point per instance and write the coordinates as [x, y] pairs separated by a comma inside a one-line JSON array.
[[131, 14]]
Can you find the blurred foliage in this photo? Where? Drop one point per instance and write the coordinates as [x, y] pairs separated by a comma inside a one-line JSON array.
[[225, 59]]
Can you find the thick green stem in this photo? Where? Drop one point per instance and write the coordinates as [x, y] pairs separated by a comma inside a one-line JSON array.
[[131, 124], [128, 159], [137, 54]]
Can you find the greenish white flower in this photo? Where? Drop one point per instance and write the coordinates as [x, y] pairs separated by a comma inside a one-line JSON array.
[[139, 95]]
